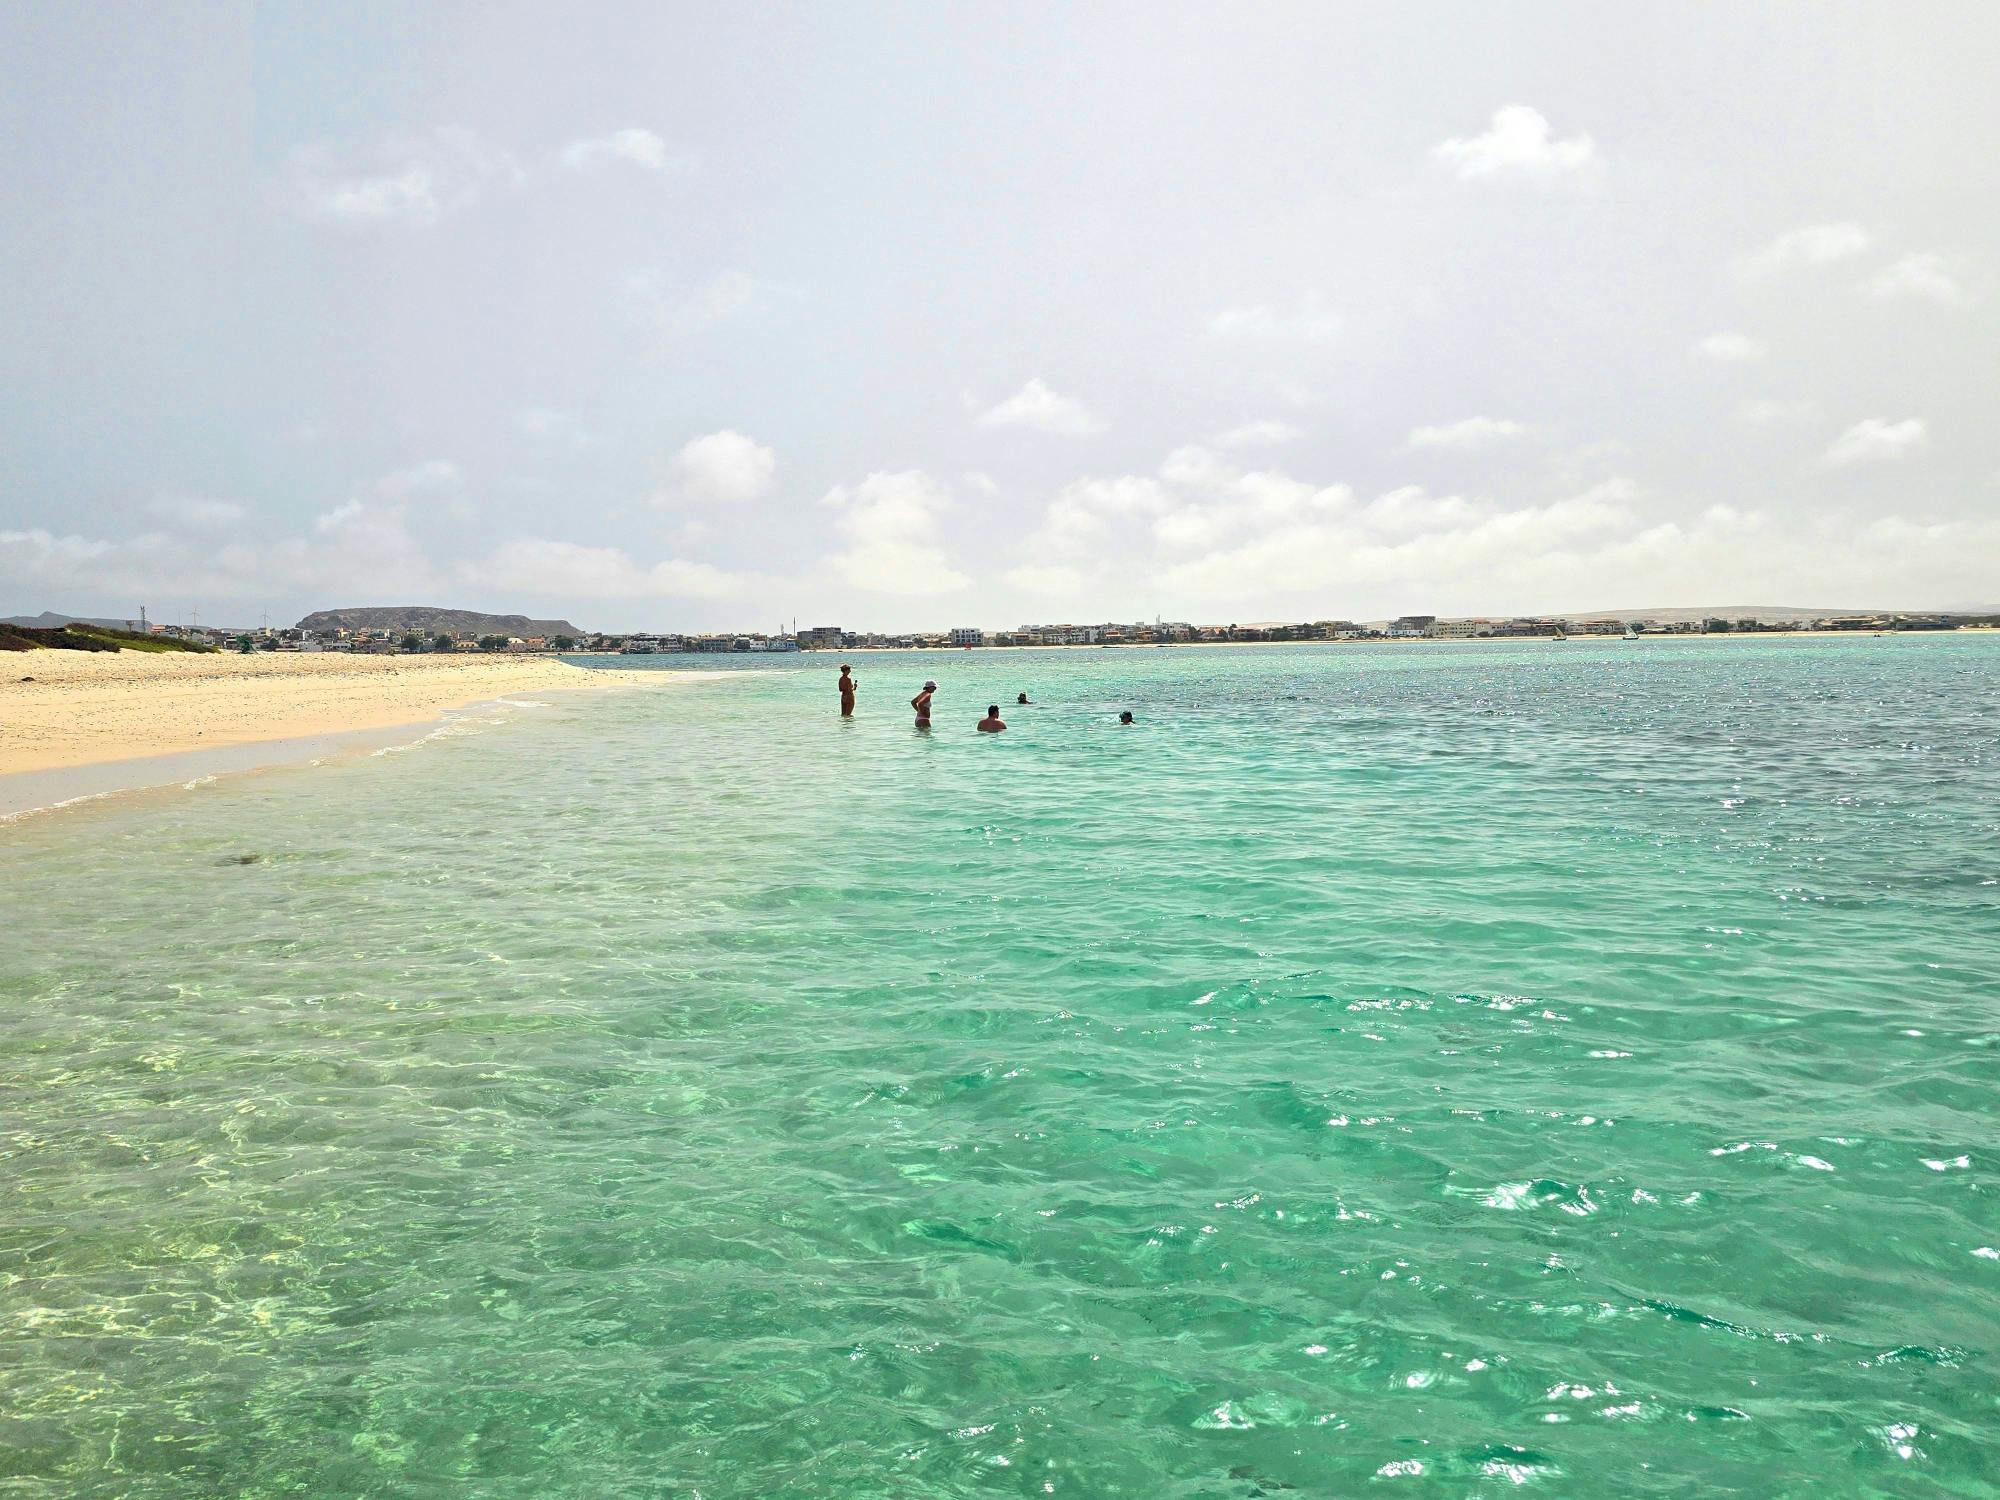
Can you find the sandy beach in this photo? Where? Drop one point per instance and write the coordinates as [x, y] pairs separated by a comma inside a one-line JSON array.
[[63, 709]]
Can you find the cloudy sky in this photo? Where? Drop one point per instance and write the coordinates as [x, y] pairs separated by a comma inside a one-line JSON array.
[[926, 315]]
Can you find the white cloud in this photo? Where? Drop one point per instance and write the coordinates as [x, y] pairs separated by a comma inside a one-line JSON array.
[[722, 468], [1084, 515], [1192, 528], [41, 552], [1195, 465], [1403, 536], [1225, 544], [1923, 275], [1766, 411], [680, 309], [1874, 439], [890, 523], [1054, 579], [1520, 145], [1263, 434], [547, 425], [437, 483], [1472, 432], [1411, 510], [1730, 348], [1036, 407], [1812, 245], [142, 568], [357, 552], [1311, 320], [415, 180], [634, 147], [536, 566], [985, 484], [1198, 500], [422, 178], [359, 544], [432, 478], [195, 512]]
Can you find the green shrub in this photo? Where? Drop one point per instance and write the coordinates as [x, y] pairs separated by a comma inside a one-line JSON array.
[[60, 639]]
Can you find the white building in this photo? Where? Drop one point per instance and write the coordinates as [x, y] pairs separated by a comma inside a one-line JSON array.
[[968, 635]]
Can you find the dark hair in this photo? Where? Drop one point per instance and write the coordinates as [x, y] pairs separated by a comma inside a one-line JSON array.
[[993, 710], [1125, 717], [1022, 698]]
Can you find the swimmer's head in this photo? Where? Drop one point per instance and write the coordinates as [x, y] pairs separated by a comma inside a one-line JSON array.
[[992, 710], [930, 687], [1125, 717]]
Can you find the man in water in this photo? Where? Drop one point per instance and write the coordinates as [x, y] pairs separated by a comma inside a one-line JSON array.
[[846, 692], [1023, 698], [991, 723], [1125, 720], [922, 704]]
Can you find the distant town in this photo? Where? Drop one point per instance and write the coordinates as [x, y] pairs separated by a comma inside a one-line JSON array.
[[338, 631]]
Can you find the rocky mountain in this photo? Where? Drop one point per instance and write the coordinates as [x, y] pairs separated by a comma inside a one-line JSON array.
[[426, 620]]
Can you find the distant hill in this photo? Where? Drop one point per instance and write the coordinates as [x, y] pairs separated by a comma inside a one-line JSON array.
[[48, 619], [426, 620]]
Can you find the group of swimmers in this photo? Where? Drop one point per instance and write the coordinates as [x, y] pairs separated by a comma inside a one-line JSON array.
[[991, 724]]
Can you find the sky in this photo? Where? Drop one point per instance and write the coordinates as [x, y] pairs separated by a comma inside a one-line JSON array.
[[907, 316]]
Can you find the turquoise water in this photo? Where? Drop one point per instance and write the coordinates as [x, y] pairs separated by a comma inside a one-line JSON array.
[[1428, 1070]]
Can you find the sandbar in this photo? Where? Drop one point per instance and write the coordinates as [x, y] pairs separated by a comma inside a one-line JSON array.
[[65, 709]]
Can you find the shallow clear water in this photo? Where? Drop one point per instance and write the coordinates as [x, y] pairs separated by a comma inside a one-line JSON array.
[[1437, 1068]]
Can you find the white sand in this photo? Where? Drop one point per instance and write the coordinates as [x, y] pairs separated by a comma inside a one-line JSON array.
[[86, 708]]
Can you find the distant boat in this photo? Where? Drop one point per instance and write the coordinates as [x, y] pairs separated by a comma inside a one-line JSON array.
[[1629, 635]]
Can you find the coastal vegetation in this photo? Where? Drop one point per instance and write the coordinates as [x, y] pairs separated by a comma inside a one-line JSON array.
[[81, 637], [132, 640]]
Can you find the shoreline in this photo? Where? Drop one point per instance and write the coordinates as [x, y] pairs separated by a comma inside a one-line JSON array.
[[25, 793], [81, 725]]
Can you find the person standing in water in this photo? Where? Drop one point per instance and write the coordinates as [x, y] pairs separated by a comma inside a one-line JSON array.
[[846, 692], [1021, 698], [922, 704], [991, 724]]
